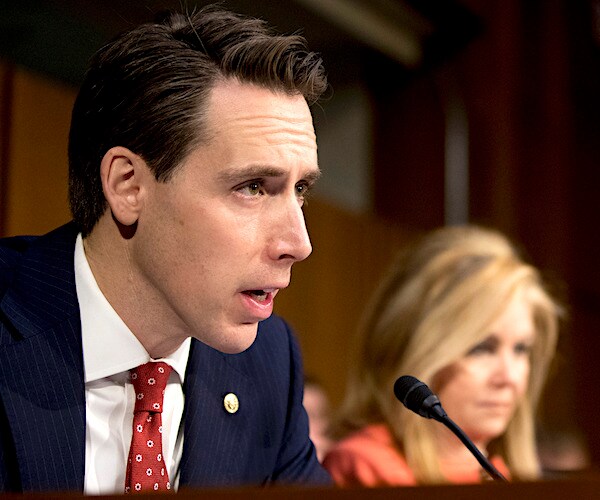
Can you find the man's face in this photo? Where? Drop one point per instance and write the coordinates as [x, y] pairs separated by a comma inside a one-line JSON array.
[[217, 242]]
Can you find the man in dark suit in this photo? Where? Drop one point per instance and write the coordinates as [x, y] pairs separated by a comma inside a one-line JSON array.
[[190, 154]]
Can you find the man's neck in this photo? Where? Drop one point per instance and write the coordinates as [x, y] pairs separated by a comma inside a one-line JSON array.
[[110, 259]]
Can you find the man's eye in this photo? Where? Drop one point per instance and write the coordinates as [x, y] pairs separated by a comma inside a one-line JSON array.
[[302, 189], [252, 188]]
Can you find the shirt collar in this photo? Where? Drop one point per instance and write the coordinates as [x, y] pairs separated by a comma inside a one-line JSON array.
[[109, 346]]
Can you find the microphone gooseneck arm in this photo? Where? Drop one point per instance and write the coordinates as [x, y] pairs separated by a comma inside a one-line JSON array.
[[483, 461]]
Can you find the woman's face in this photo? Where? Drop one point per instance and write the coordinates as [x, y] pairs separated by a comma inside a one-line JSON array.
[[481, 391]]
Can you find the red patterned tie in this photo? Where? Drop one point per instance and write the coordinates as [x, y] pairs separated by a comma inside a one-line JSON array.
[[146, 469]]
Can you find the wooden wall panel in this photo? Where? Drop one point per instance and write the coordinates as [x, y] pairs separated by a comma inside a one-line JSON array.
[[36, 181], [6, 86]]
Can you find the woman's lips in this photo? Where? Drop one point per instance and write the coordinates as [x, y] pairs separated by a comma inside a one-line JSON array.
[[496, 405]]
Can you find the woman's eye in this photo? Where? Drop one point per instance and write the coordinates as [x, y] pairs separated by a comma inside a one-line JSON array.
[[482, 348], [523, 349]]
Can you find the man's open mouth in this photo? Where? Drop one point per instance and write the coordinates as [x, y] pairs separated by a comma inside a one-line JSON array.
[[258, 295]]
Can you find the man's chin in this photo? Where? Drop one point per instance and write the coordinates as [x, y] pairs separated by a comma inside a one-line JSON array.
[[233, 339]]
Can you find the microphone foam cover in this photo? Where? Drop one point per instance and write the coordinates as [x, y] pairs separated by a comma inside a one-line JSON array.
[[411, 392]]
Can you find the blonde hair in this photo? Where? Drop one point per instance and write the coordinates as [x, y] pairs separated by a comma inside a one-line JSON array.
[[437, 302]]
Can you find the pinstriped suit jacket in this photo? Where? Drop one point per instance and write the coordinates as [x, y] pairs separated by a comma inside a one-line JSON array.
[[42, 392]]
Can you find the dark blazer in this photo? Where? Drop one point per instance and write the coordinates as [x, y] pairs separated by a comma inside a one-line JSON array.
[[42, 391]]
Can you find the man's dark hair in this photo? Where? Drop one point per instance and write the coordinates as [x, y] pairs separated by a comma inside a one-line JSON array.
[[147, 91]]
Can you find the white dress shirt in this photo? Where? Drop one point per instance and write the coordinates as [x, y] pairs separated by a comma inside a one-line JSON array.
[[110, 350]]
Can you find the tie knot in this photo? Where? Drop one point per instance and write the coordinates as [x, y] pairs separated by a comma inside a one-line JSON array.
[[149, 382]]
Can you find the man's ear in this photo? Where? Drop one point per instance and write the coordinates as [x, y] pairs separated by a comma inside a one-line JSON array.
[[123, 175]]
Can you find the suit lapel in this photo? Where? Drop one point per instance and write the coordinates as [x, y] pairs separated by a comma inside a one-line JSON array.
[[41, 367], [216, 445]]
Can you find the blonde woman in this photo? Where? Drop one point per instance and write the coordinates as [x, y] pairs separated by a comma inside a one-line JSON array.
[[466, 315]]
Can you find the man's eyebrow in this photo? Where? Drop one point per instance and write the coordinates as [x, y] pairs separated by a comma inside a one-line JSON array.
[[261, 171], [313, 175]]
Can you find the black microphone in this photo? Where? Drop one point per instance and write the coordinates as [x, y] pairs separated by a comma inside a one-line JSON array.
[[417, 397]]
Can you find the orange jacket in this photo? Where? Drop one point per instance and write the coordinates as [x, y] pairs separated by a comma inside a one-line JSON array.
[[369, 458]]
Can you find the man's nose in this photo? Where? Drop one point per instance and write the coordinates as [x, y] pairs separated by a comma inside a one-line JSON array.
[[290, 239]]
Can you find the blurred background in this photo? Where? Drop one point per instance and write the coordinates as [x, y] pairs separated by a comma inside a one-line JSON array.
[[440, 112]]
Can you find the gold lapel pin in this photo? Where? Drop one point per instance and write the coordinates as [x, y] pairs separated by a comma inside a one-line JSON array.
[[231, 403]]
